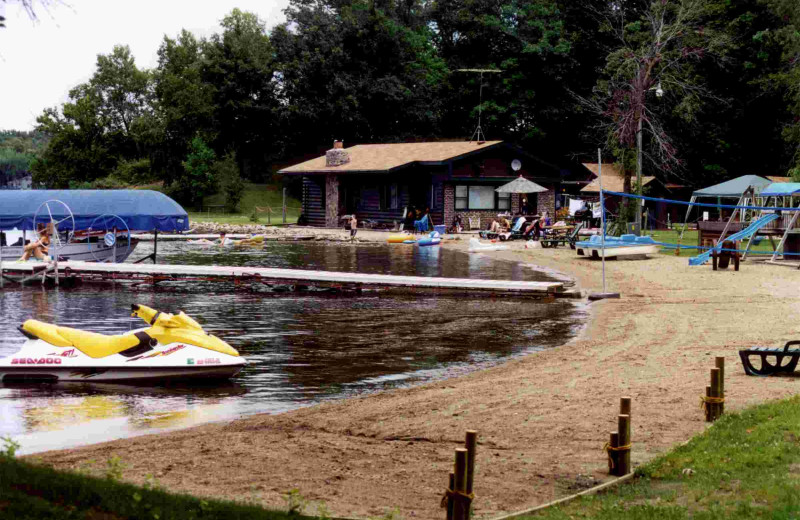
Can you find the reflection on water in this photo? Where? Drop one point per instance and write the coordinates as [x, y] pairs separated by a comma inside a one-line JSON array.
[[301, 348]]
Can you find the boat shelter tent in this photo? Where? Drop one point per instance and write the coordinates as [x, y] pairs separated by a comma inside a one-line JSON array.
[[734, 188], [140, 210]]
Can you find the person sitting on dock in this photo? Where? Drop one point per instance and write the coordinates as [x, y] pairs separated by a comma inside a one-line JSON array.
[[37, 249]]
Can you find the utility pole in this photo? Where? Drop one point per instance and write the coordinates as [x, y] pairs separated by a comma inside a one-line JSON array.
[[638, 202]]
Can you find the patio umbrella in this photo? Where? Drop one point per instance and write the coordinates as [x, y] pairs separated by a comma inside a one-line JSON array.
[[520, 185]]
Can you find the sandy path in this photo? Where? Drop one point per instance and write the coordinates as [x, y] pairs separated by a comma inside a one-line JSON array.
[[542, 419]]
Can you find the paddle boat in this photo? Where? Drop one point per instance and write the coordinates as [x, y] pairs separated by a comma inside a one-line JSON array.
[[625, 245]]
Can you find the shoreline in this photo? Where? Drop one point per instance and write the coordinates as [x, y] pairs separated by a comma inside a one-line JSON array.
[[542, 419]]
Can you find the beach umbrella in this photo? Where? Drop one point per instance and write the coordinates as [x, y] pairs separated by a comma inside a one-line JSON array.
[[520, 185]]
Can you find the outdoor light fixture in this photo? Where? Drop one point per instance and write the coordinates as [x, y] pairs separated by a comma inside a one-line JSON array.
[[659, 90]]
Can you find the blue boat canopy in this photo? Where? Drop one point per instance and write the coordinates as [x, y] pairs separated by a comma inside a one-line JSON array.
[[142, 210], [781, 189]]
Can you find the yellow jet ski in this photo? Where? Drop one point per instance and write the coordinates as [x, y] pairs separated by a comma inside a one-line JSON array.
[[172, 347]]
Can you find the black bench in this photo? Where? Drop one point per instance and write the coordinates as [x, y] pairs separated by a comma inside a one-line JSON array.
[[773, 360]]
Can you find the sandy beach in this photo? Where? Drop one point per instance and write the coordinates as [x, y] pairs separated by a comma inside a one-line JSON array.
[[542, 419]]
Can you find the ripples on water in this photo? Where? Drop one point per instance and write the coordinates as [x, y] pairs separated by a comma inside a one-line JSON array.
[[301, 348]]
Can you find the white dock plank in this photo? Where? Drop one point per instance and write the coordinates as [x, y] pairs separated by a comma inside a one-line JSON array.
[[292, 276]]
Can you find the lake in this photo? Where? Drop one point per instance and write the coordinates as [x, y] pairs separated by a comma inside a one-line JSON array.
[[302, 348]]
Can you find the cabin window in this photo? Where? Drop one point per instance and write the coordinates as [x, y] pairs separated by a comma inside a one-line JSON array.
[[389, 196], [462, 196], [481, 197], [504, 201]]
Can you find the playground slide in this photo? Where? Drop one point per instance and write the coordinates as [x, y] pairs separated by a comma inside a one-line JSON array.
[[748, 231]]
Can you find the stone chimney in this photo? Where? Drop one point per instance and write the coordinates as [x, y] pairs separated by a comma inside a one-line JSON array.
[[337, 155]]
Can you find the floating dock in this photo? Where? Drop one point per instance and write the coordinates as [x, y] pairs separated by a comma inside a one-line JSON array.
[[37, 272]]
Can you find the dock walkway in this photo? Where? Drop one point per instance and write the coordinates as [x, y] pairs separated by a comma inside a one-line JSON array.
[[298, 278]]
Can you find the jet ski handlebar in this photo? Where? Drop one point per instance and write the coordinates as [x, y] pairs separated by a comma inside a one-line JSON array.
[[163, 319]]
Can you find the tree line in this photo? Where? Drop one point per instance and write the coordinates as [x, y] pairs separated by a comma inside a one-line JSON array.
[[711, 88], [17, 150]]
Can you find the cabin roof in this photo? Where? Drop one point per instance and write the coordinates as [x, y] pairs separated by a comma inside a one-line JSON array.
[[612, 179], [387, 157]]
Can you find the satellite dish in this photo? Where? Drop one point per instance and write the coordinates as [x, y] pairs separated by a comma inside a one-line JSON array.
[[516, 165]]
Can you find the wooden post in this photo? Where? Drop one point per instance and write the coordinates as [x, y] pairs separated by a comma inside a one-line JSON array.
[[471, 443], [624, 457], [155, 245], [2, 237], [715, 389], [612, 454], [284, 205], [460, 503], [451, 485], [707, 407], [625, 406], [719, 361]]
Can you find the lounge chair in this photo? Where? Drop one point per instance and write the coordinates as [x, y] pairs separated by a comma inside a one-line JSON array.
[[514, 233], [772, 366]]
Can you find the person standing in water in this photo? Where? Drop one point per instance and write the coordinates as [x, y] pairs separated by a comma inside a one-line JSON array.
[[353, 226]]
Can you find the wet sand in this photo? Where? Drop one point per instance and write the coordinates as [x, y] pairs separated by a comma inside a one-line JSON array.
[[542, 419]]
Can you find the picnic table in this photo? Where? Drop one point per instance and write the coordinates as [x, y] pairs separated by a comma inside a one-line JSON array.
[[555, 235]]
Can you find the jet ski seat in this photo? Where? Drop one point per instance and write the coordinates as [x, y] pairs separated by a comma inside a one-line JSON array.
[[90, 343]]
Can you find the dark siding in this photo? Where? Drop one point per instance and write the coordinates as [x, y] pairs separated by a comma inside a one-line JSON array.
[[313, 202]]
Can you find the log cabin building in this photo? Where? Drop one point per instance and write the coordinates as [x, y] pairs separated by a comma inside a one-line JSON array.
[[378, 181]]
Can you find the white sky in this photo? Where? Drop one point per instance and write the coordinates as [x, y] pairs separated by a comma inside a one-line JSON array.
[[40, 61]]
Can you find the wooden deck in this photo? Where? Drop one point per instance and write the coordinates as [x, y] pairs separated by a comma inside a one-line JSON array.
[[37, 272]]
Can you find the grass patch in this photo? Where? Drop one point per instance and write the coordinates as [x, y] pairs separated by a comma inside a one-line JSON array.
[[690, 239], [746, 466], [28, 491], [255, 195]]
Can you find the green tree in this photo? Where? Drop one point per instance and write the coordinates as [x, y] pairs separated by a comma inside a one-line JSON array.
[[239, 68], [362, 71], [98, 127], [226, 171], [183, 103], [786, 79], [123, 89], [198, 178], [79, 149]]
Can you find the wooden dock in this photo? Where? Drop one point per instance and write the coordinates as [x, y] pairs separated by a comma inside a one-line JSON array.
[[36, 272], [185, 236]]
